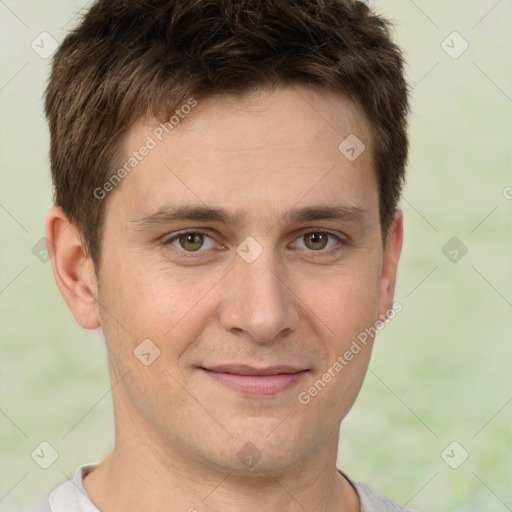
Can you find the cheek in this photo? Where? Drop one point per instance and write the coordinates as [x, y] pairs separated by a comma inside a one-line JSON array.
[[348, 302], [160, 303]]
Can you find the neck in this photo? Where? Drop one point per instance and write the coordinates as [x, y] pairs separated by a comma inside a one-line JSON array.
[[137, 476], [146, 471]]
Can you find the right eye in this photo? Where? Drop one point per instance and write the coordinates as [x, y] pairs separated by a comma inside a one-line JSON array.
[[190, 241]]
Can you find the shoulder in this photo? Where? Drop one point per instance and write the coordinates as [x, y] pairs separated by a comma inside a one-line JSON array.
[[71, 495], [372, 501], [43, 506]]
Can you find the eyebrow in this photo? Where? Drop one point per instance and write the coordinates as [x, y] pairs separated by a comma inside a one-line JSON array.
[[168, 214]]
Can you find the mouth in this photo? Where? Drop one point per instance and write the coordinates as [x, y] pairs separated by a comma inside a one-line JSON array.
[[249, 380]]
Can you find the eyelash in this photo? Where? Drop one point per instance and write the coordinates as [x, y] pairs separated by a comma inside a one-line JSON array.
[[302, 233]]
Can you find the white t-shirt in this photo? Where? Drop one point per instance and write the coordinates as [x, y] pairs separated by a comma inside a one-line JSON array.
[[71, 496]]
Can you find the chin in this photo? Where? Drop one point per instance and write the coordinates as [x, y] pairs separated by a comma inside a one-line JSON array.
[[262, 453], [263, 468]]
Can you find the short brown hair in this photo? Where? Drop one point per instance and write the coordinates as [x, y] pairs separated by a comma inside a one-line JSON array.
[[128, 59]]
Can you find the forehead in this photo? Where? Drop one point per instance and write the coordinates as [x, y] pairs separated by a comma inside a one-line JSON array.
[[265, 151]]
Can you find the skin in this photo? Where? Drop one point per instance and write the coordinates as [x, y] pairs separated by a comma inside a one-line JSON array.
[[178, 431]]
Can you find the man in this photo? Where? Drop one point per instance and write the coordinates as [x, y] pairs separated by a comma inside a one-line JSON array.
[[226, 184]]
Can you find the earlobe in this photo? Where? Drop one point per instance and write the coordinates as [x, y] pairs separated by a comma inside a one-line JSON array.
[[392, 253], [73, 269]]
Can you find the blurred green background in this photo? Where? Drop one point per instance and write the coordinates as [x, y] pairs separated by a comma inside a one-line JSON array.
[[441, 369]]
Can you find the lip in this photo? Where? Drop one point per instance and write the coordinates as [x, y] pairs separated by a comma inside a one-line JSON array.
[[267, 381]]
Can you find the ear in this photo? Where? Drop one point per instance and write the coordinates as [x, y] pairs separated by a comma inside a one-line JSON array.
[[392, 252], [73, 269]]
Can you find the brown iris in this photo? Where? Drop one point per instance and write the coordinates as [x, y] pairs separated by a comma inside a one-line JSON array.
[[317, 240], [191, 241]]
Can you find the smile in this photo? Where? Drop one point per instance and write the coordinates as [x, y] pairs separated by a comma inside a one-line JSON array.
[[251, 381]]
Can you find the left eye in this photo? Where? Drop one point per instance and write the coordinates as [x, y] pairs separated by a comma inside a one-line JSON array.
[[192, 241], [318, 240]]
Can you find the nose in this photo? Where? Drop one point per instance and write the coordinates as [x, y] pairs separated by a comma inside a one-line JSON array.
[[258, 300]]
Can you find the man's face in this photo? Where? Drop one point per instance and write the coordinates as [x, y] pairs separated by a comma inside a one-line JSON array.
[[267, 291]]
